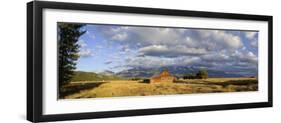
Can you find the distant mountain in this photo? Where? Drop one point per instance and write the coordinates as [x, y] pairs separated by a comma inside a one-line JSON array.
[[91, 76], [174, 70], [147, 73], [137, 72], [107, 72]]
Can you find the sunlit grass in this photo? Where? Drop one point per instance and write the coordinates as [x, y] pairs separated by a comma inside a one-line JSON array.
[[137, 88]]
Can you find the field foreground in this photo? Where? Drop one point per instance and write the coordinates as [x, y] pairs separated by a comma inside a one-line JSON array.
[[115, 88]]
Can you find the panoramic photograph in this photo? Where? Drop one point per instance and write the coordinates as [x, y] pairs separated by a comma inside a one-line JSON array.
[[107, 60]]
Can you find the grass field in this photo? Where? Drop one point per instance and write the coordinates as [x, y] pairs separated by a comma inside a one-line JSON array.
[[117, 88]]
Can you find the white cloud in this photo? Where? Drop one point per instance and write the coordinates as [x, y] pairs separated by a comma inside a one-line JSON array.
[[222, 38], [85, 53], [125, 48], [119, 37], [154, 62], [108, 62], [82, 43], [172, 51], [99, 46], [216, 57], [173, 46], [142, 35], [252, 38], [93, 36], [247, 56], [254, 43], [188, 60], [250, 35], [145, 36]]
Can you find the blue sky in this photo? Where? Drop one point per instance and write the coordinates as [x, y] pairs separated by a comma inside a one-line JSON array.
[[117, 48]]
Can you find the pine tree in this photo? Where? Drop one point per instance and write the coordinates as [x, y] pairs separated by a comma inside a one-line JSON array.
[[202, 74], [68, 35]]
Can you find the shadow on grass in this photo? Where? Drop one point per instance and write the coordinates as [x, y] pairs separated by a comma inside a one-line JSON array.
[[224, 84], [236, 82], [77, 87]]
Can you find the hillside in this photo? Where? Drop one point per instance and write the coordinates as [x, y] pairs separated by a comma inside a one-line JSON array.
[[91, 76]]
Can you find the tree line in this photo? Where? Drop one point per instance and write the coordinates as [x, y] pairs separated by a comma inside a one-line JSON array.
[[201, 74]]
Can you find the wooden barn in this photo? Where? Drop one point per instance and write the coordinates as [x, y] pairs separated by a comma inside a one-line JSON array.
[[164, 76]]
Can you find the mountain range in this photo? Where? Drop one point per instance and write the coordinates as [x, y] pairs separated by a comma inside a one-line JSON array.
[[174, 70], [148, 72]]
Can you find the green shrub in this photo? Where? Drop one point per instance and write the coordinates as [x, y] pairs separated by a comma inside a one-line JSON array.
[[189, 76], [202, 74], [146, 81]]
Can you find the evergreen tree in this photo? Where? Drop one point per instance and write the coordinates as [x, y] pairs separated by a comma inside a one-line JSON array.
[[202, 74], [68, 35]]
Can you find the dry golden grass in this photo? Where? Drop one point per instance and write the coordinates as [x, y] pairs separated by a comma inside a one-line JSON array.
[[136, 88]]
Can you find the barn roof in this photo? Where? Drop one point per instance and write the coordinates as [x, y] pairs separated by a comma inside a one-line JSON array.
[[164, 73]]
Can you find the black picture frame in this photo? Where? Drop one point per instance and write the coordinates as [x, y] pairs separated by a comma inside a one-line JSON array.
[[35, 69]]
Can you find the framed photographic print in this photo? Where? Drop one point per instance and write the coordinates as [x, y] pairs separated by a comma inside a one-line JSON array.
[[95, 61]]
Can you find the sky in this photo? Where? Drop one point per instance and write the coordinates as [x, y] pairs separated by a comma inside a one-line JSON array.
[[119, 47]]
